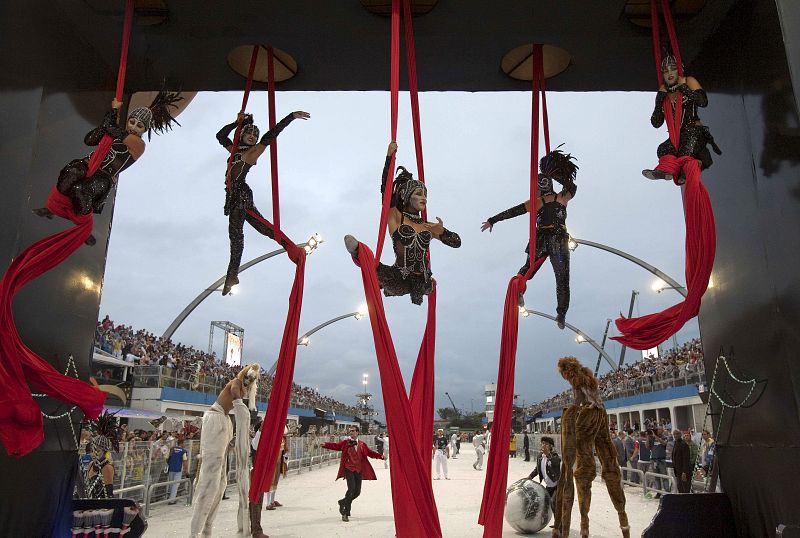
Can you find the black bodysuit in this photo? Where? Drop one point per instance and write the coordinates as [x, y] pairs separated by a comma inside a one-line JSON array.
[[694, 137], [89, 194], [552, 240], [410, 274], [239, 204]]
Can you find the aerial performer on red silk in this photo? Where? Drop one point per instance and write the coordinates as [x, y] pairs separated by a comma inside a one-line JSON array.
[[684, 96], [411, 236], [551, 222], [239, 206], [88, 192]]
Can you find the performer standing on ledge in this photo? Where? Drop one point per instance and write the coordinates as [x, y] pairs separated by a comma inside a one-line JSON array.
[[239, 198], [88, 194], [694, 135], [353, 467], [215, 436], [411, 236], [99, 479], [551, 222]]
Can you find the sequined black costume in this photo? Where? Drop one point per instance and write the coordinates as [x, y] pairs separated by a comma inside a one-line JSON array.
[[239, 204], [410, 274], [552, 239], [694, 136], [89, 194], [95, 487]]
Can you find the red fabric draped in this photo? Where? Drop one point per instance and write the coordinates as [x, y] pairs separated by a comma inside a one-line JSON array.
[[648, 331], [414, 506], [409, 418], [20, 417], [494, 487], [238, 133], [269, 444], [273, 147]]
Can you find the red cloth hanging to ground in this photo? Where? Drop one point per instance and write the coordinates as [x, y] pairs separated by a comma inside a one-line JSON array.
[[413, 501], [648, 331], [409, 419], [20, 417], [494, 487], [269, 445]]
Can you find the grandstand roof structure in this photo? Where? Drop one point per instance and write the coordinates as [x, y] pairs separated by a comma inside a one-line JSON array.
[[337, 45]]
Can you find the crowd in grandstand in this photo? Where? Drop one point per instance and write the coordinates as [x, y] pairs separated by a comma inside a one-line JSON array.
[[672, 364], [142, 348]]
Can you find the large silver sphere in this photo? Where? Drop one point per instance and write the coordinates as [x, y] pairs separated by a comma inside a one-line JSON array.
[[527, 506]]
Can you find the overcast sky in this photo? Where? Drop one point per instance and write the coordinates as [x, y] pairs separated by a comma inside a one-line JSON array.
[[170, 239]]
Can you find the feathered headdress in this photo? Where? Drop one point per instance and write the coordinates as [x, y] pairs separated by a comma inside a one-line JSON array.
[[559, 166], [105, 432], [158, 116]]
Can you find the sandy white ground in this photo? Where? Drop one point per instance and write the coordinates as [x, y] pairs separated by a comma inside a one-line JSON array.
[[310, 509]]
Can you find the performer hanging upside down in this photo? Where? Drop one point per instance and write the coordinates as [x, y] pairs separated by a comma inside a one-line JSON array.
[[239, 206], [89, 193], [694, 136], [551, 222], [411, 236], [216, 435]]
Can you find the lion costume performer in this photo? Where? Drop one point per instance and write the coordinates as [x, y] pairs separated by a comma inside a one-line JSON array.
[[584, 428], [215, 437]]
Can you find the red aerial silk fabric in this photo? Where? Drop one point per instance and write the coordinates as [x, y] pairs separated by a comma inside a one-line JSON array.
[[21, 427], [494, 487], [648, 331], [269, 444], [409, 418], [413, 502]]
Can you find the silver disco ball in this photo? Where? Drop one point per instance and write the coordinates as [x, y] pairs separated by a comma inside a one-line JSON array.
[[527, 506]]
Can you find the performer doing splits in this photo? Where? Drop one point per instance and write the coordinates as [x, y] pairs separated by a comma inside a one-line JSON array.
[[694, 136], [239, 204], [353, 467], [551, 222], [215, 436], [584, 433], [411, 236], [89, 193]]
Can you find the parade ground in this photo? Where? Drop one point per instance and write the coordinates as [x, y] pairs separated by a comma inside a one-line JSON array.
[[310, 510]]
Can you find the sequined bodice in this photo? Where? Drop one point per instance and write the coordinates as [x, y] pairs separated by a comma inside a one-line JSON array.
[[118, 159], [688, 110], [411, 248], [552, 215], [239, 168]]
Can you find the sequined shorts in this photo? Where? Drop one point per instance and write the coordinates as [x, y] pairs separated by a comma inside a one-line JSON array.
[[393, 284]]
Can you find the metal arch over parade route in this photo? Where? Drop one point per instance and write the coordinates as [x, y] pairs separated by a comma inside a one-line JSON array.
[[585, 338], [673, 284]]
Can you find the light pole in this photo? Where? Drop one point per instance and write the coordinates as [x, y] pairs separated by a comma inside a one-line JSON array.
[[580, 338], [363, 401], [669, 282], [305, 339], [309, 246]]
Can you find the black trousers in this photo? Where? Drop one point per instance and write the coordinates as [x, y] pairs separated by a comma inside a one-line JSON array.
[[527, 454], [552, 492], [353, 488], [557, 248], [236, 219]]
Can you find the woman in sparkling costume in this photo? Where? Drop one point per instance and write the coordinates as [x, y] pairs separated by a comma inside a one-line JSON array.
[[89, 193], [99, 479], [411, 237], [694, 136], [239, 204], [551, 222]]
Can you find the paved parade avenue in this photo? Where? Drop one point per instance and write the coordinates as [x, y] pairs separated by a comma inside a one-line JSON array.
[[310, 510]]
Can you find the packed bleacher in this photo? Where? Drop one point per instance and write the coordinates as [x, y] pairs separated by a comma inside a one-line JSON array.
[[648, 374], [142, 348]]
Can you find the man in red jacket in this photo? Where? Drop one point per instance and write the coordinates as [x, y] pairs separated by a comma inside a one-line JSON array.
[[353, 467]]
